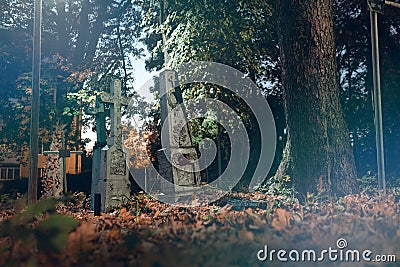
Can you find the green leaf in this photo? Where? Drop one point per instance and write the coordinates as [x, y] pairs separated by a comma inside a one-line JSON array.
[[52, 232], [35, 209]]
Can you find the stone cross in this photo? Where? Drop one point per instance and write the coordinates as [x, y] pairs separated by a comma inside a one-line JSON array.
[[176, 158], [98, 112], [114, 172], [63, 153], [116, 101]]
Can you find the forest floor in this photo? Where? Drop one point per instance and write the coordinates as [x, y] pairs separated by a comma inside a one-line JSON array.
[[145, 232]]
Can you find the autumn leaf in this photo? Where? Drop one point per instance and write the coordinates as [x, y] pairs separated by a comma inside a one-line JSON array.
[[245, 235], [213, 235], [114, 233], [80, 240], [282, 220]]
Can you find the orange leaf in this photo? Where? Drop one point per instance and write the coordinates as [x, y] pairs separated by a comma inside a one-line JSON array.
[[283, 219], [81, 239], [122, 212], [245, 235], [114, 233]]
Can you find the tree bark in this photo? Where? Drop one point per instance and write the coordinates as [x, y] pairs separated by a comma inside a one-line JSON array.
[[318, 156], [83, 31]]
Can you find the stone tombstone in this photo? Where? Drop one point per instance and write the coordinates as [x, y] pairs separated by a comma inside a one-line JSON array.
[[53, 184], [100, 117], [175, 160], [114, 184], [52, 181]]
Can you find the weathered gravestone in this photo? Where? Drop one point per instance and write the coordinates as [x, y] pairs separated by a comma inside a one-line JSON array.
[[52, 179], [101, 142], [176, 158], [55, 180], [113, 173]]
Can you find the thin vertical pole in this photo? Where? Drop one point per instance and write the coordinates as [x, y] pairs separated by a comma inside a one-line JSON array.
[[163, 16], [219, 150], [145, 180], [97, 204], [64, 164], [35, 107], [219, 160], [377, 102]]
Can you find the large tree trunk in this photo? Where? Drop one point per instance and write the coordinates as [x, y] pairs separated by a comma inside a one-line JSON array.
[[318, 156]]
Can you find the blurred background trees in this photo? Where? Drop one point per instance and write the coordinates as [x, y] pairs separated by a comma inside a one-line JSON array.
[[86, 43]]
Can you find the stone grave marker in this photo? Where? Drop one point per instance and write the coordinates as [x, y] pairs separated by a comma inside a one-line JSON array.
[[56, 185], [175, 160], [114, 183], [101, 142]]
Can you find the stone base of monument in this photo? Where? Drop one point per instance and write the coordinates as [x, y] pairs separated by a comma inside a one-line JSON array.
[[118, 187], [117, 192], [177, 171], [96, 158], [99, 185], [173, 194], [114, 192], [113, 177]]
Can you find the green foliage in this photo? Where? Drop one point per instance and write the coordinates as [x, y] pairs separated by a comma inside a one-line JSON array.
[[275, 186], [79, 56], [314, 200], [242, 35], [237, 33], [281, 192], [36, 209], [52, 232], [39, 224], [352, 31], [368, 184], [394, 182], [6, 199]]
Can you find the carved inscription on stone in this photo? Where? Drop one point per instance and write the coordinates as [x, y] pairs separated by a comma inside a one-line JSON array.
[[118, 163], [183, 168]]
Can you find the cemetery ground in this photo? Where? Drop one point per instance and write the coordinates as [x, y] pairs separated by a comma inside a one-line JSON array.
[[230, 232]]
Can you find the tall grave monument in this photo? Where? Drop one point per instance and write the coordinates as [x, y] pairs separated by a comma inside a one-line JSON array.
[[98, 112], [55, 180], [110, 163], [176, 158]]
